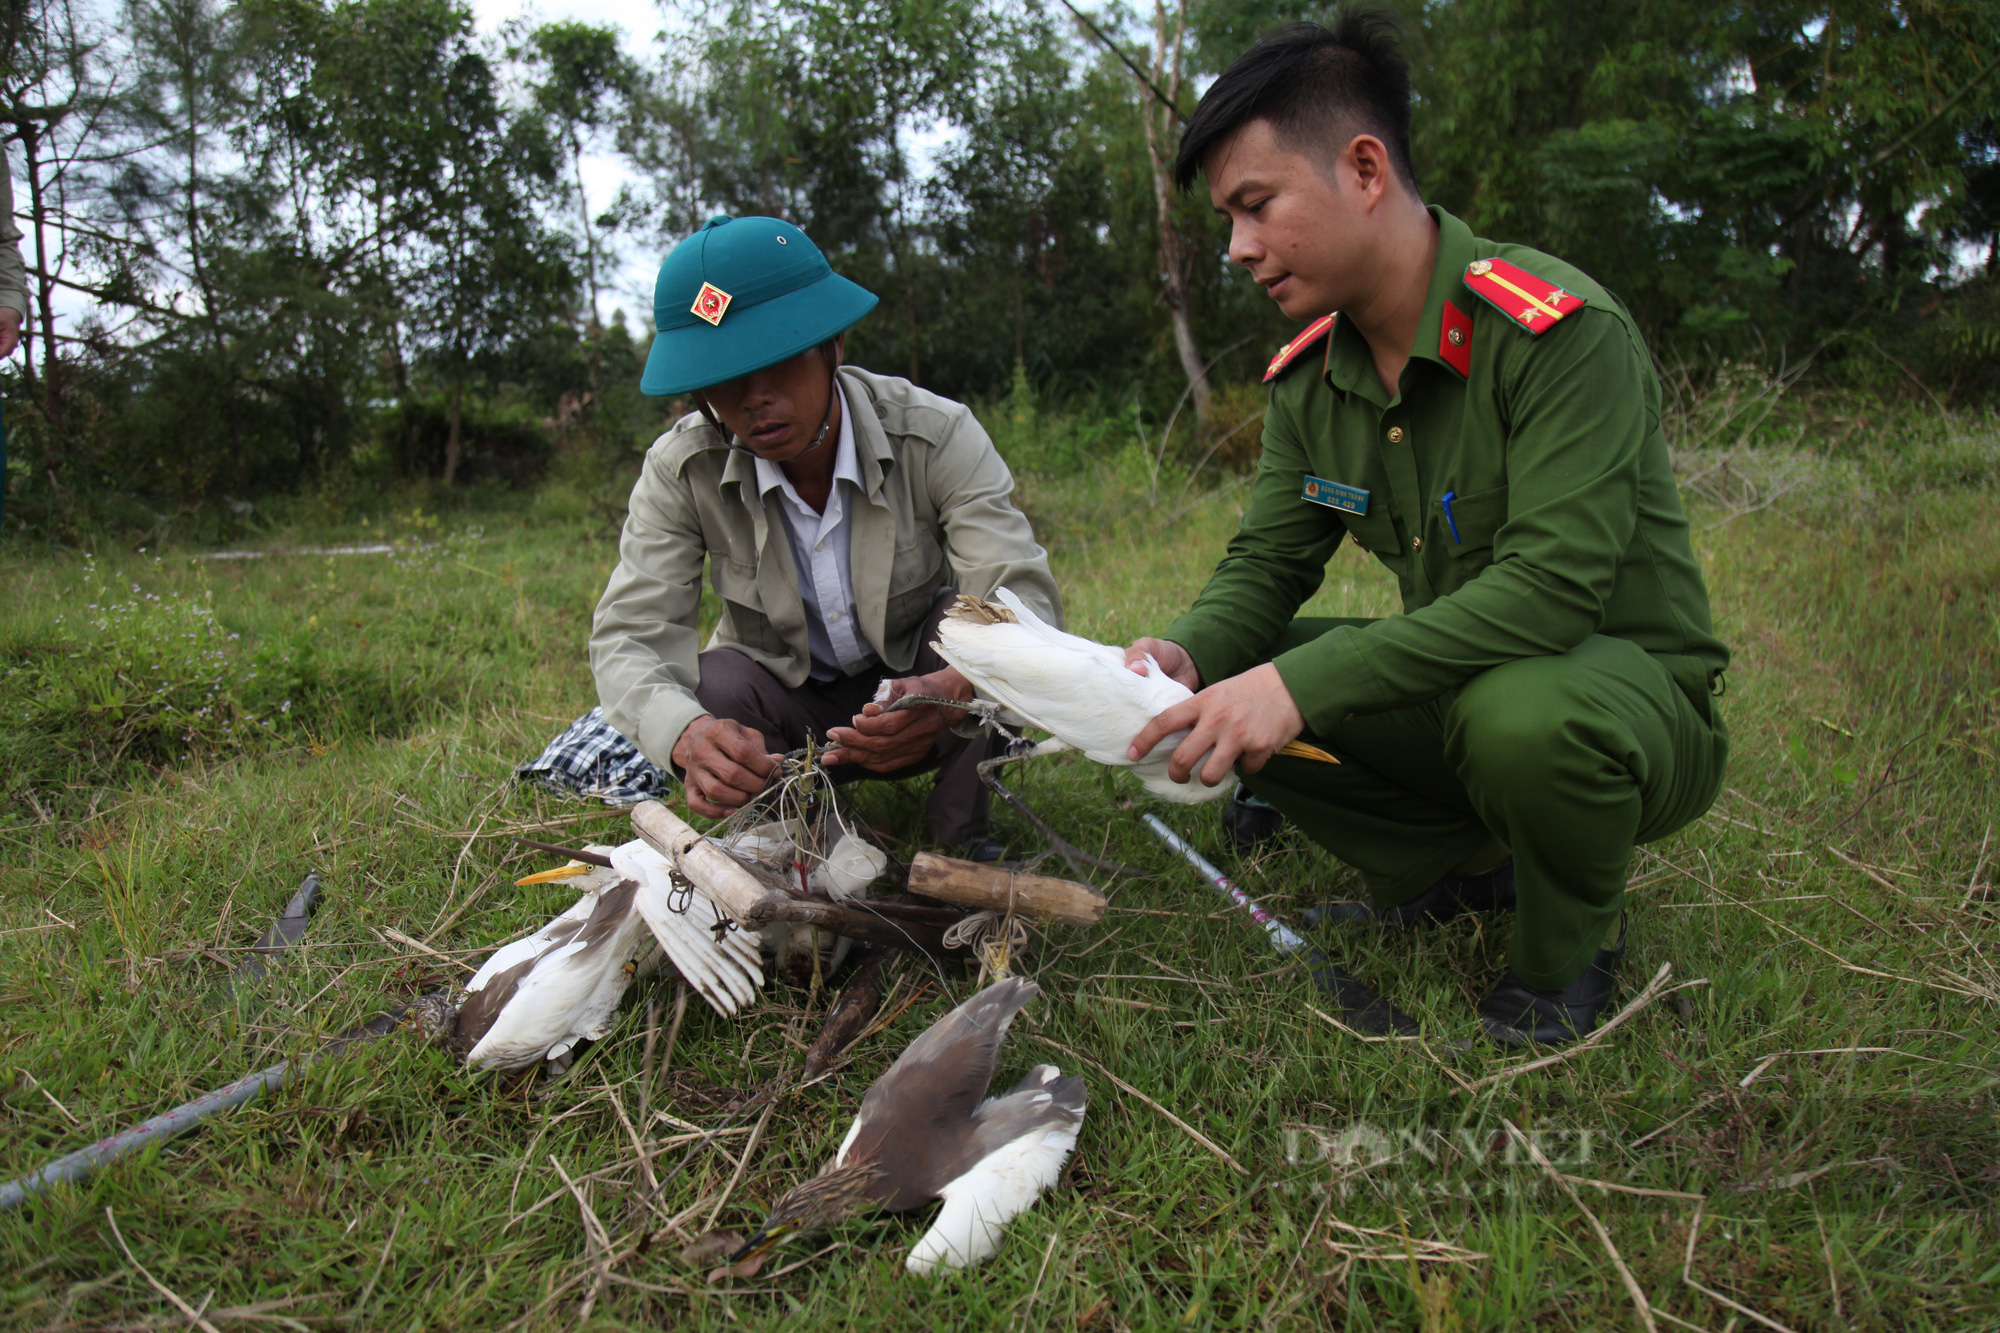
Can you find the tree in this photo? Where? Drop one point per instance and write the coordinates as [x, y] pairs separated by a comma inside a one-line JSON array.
[[584, 85]]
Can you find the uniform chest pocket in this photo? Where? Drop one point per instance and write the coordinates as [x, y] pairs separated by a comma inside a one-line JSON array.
[[914, 578], [1476, 518], [742, 605], [916, 563], [1374, 532], [736, 583]]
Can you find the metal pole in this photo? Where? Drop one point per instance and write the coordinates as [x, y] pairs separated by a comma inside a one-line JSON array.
[[164, 1126], [1355, 998], [433, 1013], [1283, 938]]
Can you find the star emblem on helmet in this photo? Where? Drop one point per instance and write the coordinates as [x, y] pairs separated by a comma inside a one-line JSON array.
[[711, 303]]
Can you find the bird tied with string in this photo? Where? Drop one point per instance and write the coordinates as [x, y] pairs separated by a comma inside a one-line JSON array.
[[537, 997]]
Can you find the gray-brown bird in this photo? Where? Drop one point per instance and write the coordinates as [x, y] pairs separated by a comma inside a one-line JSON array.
[[924, 1133]]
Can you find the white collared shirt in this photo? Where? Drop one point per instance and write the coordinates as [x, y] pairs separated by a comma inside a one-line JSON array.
[[820, 547]]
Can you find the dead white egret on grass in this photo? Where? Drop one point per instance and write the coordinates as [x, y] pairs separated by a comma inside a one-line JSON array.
[[925, 1133]]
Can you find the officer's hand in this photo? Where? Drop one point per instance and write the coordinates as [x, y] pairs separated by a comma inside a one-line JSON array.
[[883, 742], [1173, 660], [1237, 722], [724, 764], [10, 330]]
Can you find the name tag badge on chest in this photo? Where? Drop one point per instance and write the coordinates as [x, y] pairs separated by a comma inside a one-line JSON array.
[[1334, 495]]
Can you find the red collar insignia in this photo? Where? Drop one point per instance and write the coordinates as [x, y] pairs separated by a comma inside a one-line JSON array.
[[1289, 353]]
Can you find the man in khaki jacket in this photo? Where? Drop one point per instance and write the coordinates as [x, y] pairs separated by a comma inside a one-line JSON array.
[[838, 513]]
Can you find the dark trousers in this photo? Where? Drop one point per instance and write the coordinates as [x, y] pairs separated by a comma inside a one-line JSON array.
[[1570, 760], [737, 688]]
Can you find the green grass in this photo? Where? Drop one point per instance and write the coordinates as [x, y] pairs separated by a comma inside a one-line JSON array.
[[392, 1190]]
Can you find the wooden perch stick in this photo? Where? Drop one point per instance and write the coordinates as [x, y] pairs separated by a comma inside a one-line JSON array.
[[970, 884], [719, 874], [857, 923]]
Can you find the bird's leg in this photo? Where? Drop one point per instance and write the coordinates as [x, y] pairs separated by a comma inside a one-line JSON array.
[[1021, 748], [986, 711]]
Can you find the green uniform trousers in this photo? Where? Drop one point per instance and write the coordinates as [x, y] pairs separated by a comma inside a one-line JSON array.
[[1571, 760]]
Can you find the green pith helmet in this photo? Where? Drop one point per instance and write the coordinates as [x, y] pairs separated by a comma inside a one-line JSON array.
[[739, 295]]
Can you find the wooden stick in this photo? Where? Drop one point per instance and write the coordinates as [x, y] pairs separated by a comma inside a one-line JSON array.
[[720, 875], [971, 884], [859, 1001], [1123, 1086], [856, 922]]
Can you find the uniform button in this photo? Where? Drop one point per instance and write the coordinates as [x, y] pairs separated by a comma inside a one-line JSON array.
[[834, 618], [821, 546], [1416, 543], [1395, 434]]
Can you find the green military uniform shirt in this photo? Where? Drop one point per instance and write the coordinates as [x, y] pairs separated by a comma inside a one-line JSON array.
[[1567, 519]]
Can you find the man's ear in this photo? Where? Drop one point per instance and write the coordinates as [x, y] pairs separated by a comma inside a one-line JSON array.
[[1369, 168], [708, 413]]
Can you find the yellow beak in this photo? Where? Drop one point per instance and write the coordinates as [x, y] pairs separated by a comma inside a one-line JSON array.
[[570, 871], [1300, 750]]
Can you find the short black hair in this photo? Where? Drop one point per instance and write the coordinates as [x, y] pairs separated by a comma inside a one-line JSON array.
[[1312, 83]]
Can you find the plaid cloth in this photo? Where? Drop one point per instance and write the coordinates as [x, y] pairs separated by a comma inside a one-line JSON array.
[[592, 759]]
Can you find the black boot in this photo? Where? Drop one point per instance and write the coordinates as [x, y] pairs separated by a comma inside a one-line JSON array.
[[1249, 821], [987, 851], [1454, 895], [1516, 1014]]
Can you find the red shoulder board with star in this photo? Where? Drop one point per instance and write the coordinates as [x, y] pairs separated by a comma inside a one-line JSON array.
[[1289, 353], [1531, 302]]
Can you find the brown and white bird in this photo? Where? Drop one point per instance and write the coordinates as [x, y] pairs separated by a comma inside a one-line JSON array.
[[537, 996], [925, 1133]]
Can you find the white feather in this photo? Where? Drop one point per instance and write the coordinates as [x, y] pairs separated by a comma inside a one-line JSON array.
[[999, 1188], [727, 974], [1078, 690]]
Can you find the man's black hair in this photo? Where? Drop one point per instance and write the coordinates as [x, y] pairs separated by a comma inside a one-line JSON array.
[[1317, 86]]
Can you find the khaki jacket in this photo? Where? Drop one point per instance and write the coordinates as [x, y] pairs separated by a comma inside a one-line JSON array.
[[938, 514], [13, 273]]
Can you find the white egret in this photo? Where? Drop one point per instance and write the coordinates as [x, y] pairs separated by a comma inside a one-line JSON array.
[[1079, 691]]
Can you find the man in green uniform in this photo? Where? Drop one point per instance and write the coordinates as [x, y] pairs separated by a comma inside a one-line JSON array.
[[1485, 420]]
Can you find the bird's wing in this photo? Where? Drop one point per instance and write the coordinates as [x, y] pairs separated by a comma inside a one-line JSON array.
[[531, 1011], [728, 973], [917, 1119], [566, 992], [1026, 1137]]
